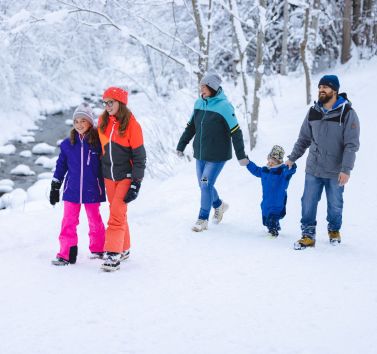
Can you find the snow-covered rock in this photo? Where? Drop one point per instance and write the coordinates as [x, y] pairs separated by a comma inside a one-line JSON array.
[[22, 170], [6, 186], [5, 189], [46, 162], [13, 199], [26, 139], [45, 175], [69, 122], [6, 182], [25, 153], [39, 190], [43, 149], [8, 149]]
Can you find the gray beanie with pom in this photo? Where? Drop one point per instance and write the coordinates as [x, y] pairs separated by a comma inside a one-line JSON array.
[[84, 111]]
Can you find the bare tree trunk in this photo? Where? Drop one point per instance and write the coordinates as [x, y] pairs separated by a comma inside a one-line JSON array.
[[253, 127], [203, 57], [241, 45], [284, 46], [303, 48], [151, 70], [356, 21], [313, 33], [347, 26], [209, 31], [368, 19]]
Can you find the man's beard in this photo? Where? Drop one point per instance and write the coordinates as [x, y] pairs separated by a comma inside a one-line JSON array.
[[325, 98]]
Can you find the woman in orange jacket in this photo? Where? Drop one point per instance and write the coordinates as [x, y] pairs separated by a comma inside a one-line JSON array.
[[123, 165]]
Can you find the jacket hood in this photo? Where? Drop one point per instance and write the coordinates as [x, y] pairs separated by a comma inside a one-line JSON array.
[[341, 101], [220, 95]]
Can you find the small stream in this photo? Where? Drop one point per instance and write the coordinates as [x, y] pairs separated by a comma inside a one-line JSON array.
[[50, 130]]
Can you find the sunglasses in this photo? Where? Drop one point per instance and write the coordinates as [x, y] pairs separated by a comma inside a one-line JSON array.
[[108, 103]]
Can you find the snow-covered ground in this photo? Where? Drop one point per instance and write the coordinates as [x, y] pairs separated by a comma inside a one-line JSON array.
[[227, 290]]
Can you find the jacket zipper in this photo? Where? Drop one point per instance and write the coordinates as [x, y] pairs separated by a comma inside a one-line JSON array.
[[201, 130], [82, 168], [99, 187], [110, 152]]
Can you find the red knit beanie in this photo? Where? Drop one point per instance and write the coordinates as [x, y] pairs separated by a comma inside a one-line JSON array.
[[116, 93]]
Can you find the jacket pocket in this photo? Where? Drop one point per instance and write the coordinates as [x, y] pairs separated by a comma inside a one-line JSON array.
[[88, 159], [333, 163]]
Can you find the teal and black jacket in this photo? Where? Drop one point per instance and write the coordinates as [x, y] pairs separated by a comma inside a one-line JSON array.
[[215, 126]]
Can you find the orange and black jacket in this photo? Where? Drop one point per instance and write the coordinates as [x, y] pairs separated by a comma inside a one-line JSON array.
[[124, 155]]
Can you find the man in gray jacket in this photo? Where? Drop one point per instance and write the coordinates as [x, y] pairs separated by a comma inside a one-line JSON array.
[[331, 131]]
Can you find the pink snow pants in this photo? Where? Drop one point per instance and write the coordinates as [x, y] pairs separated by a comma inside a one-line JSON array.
[[68, 233]]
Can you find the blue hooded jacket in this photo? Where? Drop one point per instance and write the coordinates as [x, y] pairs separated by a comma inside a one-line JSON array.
[[275, 181], [80, 166]]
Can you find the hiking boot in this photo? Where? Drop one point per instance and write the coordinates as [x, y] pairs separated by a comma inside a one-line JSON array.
[[303, 242], [334, 237], [59, 261], [124, 255], [200, 225], [219, 213], [112, 261]]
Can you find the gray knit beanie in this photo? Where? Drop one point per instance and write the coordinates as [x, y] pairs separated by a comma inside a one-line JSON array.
[[212, 80], [84, 111]]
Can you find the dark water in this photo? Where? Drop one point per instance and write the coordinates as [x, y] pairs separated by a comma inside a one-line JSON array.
[[49, 131]]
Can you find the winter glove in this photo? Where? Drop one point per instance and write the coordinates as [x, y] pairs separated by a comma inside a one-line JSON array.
[[54, 192], [244, 162], [133, 191], [180, 153]]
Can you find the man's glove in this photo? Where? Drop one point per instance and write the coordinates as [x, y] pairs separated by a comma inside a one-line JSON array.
[[180, 153], [132, 192], [54, 192]]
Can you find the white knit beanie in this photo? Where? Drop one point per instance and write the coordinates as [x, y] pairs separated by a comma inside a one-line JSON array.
[[84, 111]]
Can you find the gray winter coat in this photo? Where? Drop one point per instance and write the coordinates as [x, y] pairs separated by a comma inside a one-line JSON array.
[[332, 138]]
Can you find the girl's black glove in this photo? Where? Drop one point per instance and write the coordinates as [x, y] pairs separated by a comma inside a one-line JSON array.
[[132, 192], [54, 193]]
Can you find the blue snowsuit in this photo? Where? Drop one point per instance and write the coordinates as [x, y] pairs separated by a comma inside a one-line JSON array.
[[275, 181]]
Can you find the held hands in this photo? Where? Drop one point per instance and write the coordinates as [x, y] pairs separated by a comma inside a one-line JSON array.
[[54, 192], [133, 191], [244, 162], [289, 163]]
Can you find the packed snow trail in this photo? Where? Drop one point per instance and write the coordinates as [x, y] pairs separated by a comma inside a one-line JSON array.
[[230, 289]]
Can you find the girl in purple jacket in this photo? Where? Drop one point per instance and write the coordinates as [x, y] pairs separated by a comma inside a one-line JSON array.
[[79, 166]]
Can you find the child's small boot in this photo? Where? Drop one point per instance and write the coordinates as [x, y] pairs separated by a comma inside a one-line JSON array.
[[273, 232]]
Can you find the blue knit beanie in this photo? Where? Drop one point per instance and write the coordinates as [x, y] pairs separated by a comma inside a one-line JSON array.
[[330, 81]]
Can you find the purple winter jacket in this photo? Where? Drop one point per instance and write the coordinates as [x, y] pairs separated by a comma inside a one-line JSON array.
[[80, 165]]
